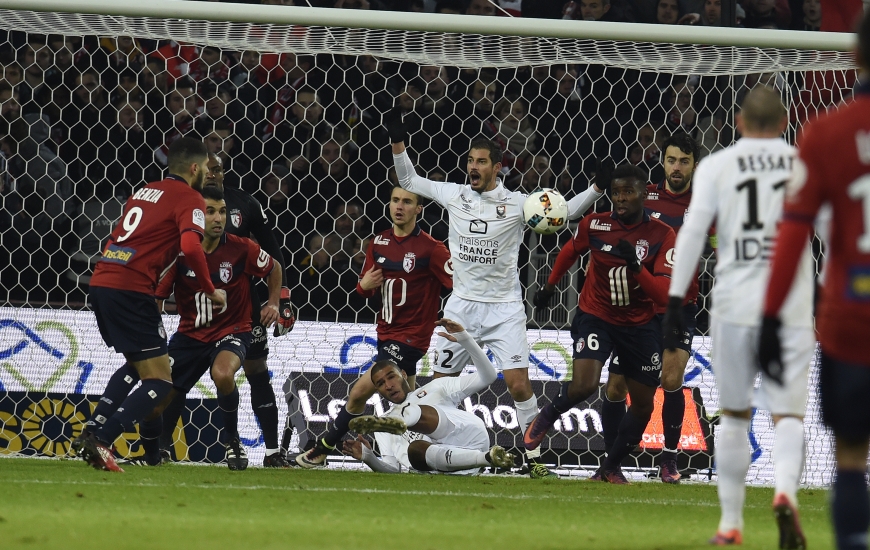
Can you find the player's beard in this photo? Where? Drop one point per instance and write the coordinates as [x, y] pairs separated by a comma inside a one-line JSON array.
[[200, 179], [680, 186]]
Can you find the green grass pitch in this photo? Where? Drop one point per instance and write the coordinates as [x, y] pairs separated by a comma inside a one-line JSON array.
[[64, 504]]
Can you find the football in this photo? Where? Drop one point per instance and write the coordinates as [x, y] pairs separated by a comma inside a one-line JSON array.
[[546, 211]]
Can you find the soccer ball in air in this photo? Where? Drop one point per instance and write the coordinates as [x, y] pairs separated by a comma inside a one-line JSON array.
[[546, 211]]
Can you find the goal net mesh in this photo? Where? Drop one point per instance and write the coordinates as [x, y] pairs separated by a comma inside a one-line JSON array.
[[90, 103]]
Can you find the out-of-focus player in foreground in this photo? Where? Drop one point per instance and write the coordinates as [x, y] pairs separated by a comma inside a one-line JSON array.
[[486, 230], [833, 168], [444, 438], [159, 221], [742, 188], [409, 268], [629, 267], [215, 343]]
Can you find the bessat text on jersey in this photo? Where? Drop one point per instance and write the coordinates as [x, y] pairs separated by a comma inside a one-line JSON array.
[[763, 163]]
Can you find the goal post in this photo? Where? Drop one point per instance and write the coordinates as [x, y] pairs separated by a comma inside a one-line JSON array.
[[292, 98]]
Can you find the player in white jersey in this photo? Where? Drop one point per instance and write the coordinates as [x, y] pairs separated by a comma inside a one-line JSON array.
[[486, 230], [441, 437], [743, 187]]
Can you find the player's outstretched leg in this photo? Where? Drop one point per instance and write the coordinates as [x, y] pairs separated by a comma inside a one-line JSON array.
[[732, 462], [370, 424], [426, 456]]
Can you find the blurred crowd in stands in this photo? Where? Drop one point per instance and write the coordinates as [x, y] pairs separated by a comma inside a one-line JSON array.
[[85, 120]]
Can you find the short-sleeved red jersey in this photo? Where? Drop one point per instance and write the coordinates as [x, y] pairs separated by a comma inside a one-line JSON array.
[[230, 267], [670, 208], [834, 168], [148, 238], [415, 268], [611, 291]]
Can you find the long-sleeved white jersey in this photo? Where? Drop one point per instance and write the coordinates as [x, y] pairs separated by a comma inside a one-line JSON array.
[[742, 187], [486, 230]]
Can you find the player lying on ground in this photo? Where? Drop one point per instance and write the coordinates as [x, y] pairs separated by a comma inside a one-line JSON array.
[[442, 437], [214, 343], [628, 274], [409, 268]]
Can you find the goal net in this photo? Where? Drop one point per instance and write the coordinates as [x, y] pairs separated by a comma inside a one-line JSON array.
[[293, 99]]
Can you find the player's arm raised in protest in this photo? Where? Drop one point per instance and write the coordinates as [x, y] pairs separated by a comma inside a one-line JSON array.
[[486, 373]]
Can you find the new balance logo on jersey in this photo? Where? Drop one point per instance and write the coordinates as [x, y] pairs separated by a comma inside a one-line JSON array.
[[655, 215], [600, 226], [190, 273], [606, 247], [380, 240]]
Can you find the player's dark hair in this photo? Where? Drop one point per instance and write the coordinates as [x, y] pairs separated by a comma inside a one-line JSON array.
[[183, 152], [864, 41], [628, 171], [381, 365], [482, 142], [685, 143], [211, 192], [419, 198]]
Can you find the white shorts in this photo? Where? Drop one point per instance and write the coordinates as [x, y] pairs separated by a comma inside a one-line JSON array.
[[735, 364], [500, 326], [469, 431]]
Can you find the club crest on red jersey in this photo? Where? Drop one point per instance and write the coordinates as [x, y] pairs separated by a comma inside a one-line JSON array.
[[236, 217], [226, 272], [409, 262], [641, 248]]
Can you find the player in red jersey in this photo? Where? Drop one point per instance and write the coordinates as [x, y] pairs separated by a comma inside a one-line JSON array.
[[667, 201], [159, 221], [843, 311], [627, 279], [409, 267], [205, 341]]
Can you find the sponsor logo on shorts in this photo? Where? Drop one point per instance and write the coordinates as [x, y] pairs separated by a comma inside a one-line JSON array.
[[128, 379], [118, 254], [229, 338], [516, 358], [393, 350], [152, 394], [651, 368], [257, 331], [655, 359]]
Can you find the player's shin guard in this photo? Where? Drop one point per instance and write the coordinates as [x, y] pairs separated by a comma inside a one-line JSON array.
[[149, 438], [673, 408], [788, 456], [339, 427], [612, 413], [851, 510], [629, 435], [732, 462], [170, 417], [229, 405], [118, 388], [136, 407], [444, 459], [265, 408]]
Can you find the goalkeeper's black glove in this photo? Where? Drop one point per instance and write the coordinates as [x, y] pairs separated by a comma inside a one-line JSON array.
[[603, 174], [770, 349], [673, 324], [286, 318], [396, 128], [627, 252], [542, 297]]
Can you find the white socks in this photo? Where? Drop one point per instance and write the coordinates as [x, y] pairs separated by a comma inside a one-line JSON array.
[[526, 412], [732, 464], [788, 456], [449, 459]]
